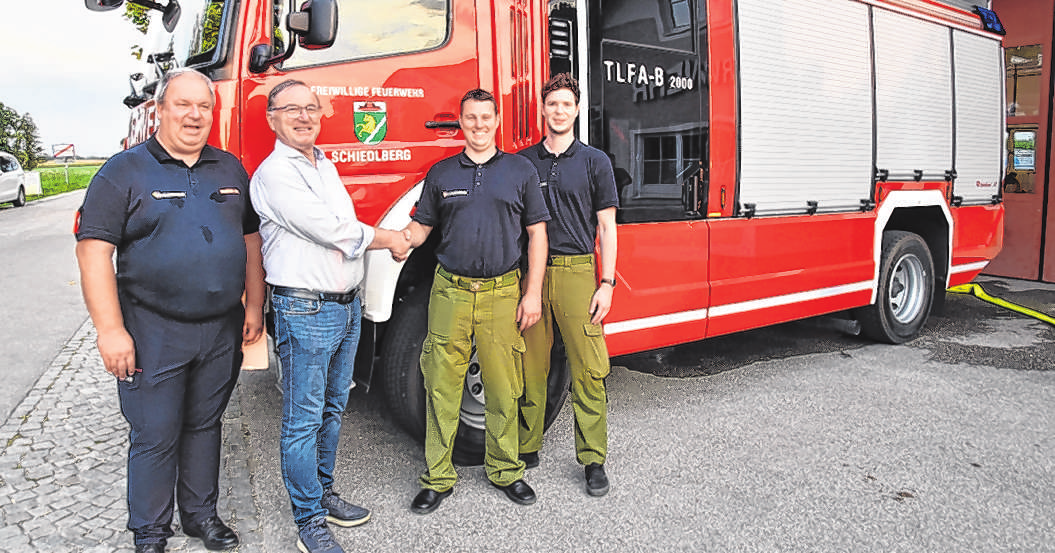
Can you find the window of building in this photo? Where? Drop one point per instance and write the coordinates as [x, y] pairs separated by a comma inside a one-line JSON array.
[[667, 160], [1023, 67]]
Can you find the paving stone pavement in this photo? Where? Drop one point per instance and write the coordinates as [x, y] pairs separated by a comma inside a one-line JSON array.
[[62, 464]]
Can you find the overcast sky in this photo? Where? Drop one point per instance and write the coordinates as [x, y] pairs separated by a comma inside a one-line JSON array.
[[68, 68]]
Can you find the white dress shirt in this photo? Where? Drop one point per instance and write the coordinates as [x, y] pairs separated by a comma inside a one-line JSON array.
[[311, 236]]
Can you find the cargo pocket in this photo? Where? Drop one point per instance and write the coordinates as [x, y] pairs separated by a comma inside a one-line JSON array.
[[597, 366], [516, 382], [426, 353]]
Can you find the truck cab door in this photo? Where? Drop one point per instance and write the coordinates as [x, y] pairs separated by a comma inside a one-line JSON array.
[[648, 111], [389, 87]]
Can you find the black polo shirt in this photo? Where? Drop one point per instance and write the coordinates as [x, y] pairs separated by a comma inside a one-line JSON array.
[[576, 184], [481, 211], [179, 231]]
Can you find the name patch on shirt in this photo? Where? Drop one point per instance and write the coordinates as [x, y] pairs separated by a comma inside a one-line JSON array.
[[160, 195], [453, 193], [542, 184], [230, 191]]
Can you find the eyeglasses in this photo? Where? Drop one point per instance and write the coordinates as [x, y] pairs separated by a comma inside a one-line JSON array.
[[293, 111]]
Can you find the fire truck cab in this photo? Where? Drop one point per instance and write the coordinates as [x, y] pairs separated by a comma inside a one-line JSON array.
[[775, 159]]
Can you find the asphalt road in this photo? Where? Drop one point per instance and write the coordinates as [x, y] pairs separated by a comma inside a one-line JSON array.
[[799, 437], [42, 304], [794, 438]]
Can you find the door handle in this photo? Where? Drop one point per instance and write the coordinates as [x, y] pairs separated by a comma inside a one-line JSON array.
[[442, 125]]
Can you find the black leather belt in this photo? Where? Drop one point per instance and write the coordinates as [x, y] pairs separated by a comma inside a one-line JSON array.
[[303, 294]]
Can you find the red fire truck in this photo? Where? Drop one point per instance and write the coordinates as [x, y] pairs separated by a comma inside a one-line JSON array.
[[776, 159]]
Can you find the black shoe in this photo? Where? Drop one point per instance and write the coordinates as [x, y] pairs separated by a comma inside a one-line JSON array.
[[596, 480], [519, 492], [213, 533], [530, 459], [427, 500], [150, 548]]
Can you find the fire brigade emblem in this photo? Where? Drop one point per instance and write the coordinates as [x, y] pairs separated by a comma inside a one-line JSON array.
[[371, 122]]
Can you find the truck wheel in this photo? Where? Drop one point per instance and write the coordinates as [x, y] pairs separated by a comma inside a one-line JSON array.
[[405, 390], [21, 199], [906, 288]]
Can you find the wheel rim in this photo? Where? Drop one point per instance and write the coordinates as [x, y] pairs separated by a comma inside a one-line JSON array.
[[907, 289], [472, 412]]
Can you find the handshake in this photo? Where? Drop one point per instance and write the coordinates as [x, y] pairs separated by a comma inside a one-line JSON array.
[[399, 242]]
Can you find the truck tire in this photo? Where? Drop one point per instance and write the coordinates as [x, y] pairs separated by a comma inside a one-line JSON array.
[[906, 290], [405, 390], [21, 199]]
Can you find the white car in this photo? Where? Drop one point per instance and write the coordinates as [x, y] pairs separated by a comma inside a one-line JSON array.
[[12, 181]]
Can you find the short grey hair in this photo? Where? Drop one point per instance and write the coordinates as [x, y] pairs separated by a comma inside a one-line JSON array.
[[173, 74], [284, 85]]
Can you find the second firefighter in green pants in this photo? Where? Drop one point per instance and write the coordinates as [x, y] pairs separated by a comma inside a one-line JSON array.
[[487, 207], [578, 185]]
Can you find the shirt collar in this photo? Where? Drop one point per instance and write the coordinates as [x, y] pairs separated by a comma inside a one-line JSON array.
[[286, 150], [207, 155], [463, 158], [543, 153]]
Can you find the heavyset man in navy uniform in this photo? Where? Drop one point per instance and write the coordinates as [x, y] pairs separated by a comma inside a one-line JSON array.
[[170, 321], [579, 186], [485, 203]]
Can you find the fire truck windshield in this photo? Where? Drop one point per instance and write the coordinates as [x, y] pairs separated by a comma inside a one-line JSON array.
[[369, 29], [197, 39]]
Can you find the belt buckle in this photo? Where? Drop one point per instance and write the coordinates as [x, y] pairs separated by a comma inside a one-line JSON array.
[[475, 286]]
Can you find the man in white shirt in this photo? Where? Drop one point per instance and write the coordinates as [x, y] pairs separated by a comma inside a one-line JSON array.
[[312, 246]]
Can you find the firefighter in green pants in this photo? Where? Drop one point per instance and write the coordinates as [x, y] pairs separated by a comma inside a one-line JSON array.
[[488, 206], [578, 184]]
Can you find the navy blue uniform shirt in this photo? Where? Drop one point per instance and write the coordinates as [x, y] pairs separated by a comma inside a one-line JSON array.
[[481, 211], [576, 184], [179, 231]]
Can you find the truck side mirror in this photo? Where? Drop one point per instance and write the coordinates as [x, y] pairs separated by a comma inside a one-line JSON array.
[[315, 24], [102, 5], [170, 15]]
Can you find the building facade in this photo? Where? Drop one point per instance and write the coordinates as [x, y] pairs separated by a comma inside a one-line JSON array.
[[1029, 233]]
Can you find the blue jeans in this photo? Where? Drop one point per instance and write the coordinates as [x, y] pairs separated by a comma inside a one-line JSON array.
[[316, 342]]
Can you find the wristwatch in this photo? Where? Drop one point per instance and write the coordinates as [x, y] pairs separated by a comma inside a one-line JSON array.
[[611, 281]]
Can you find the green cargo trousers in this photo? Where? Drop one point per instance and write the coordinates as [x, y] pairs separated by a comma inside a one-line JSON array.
[[461, 309], [566, 293]]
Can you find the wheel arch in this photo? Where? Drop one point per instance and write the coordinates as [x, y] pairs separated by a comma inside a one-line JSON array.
[[925, 213]]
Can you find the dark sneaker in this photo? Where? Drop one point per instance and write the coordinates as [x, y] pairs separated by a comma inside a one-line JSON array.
[[530, 459], [341, 512], [596, 480], [315, 537]]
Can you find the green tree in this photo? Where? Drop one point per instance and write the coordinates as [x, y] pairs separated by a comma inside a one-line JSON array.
[[30, 152], [140, 18], [20, 137]]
